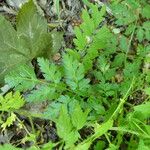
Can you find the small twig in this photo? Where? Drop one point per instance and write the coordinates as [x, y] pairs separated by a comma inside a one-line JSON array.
[[8, 10], [130, 42]]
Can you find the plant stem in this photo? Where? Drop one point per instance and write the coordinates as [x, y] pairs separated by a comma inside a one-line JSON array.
[[122, 101]]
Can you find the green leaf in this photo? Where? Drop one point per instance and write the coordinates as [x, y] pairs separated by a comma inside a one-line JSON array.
[[140, 34], [78, 117], [100, 145], [147, 35], [119, 59], [142, 146], [29, 41], [80, 36], [123, 43], [42, 93], [23, 78], [99, 41], [101, 38], [147, 90], [74, 73], [12, 54], [133, 3], [132, 69], [65, 127], [30, 137], [48, 146], [143, 109], [103, 64], [145, 11], [129, 29], [53, 110], [9, 121], [96, 106], [35, 148], [112, 147], [83, 146], [11, 102], [50, 71], [63, 124], [102, 129], [90, 23], [146, 25], [97, 15], [32, 29], [123, 14], [99, 131], [9, 147]]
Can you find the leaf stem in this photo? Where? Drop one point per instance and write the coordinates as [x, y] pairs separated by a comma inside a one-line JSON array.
[[130, 41], [123, 100]]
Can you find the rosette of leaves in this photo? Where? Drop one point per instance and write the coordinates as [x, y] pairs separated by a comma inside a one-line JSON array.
[[29, 40]]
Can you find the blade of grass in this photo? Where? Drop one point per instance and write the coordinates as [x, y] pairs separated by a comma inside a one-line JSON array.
[[57, 8]]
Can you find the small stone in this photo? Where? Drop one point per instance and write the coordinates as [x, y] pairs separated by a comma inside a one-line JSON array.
[[56, 57]]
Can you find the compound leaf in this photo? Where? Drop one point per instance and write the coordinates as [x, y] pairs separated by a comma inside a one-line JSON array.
[[23, 78], [43, 93], [9, 121], [11, 102], [50, 71], [78, 117]]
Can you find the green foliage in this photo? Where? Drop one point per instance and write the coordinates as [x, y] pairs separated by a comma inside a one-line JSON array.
[[9, 121], [143, 109], [65, 128], [131, 14], [50, 71], [145, 11], [89, 37], [22, 78], [142, 146], [29, 41], [69, 112], [32, 29], [11, 102], [74, 73], [8, 147], [97, 95], [76, 118]]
